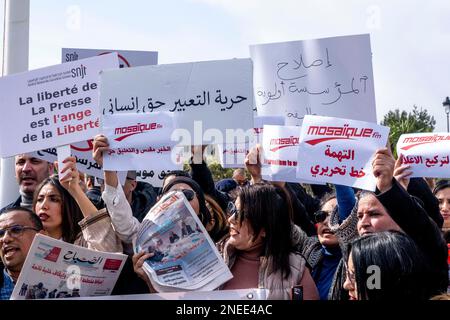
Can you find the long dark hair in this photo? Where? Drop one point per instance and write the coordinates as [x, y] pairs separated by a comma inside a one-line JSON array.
[[269, 208], [401, 264], [70, 211]]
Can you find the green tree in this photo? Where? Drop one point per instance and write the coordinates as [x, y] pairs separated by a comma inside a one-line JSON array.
[[403, 122]]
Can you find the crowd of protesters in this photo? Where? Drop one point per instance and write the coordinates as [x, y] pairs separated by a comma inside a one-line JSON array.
[[333, 242]]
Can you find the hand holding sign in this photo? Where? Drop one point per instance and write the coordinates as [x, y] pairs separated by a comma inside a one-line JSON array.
[[70, 177], [402, 172], [101, 145], [253, 163], [383, 169]]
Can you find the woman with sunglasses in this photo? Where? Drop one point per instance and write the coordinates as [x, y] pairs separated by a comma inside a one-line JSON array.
[[260, 251], [68, 214], [324, 251], [386, 266]]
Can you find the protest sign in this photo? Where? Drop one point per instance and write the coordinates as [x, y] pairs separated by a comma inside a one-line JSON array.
[[260, 121], [83, 153], [52, 106], [184, 256], [210, 96], [233, 155], [328, 77], [57, 269], [83, 150], [339, 151], [155, 176], [280, 152], [127, 58], [427, 153], [139, 141]]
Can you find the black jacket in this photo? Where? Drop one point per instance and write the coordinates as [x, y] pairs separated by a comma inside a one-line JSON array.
[[416, 223], [300, 217], [12, 204], [419, 188], [201, 174]]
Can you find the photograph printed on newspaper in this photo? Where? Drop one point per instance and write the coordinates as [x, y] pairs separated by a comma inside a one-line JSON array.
[[184, 256]]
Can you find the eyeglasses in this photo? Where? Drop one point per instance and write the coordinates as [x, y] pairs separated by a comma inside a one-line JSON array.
[[189, 194], [232, 210], [15, 231], [320, 216]]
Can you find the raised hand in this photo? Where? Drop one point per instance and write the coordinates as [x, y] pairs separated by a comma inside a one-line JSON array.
[[101, 145], [383, 168]]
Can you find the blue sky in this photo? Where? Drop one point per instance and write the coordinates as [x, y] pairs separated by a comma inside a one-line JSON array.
[[410, 39]]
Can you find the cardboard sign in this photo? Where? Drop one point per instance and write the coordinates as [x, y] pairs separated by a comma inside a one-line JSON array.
[[52, 106], [339, 151], [427, 153], [207, 98], [328, 77]]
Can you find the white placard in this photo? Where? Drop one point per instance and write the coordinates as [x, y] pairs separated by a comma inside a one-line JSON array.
[[137, 141], [52, 106], [329, 77], [127, 58], [215, 95], [233, 155], [339, 151], [280, 152], [260, 121], [427, 153]]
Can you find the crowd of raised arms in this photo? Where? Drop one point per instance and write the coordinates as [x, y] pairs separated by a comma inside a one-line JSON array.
[[336, 242]]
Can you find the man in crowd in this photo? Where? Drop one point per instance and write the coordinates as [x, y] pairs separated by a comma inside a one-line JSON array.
[[18, 226], [239, 177], [30, 172]]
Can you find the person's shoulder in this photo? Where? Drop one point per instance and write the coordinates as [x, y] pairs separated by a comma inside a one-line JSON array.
[[11, 205]]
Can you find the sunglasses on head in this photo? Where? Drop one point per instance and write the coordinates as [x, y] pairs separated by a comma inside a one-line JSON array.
[[320, 216], [189, 194]]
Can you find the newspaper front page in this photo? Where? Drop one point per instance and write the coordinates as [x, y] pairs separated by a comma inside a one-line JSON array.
[[57, 269], [185, 258]]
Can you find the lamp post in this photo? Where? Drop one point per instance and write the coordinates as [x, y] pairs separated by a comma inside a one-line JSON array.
[[446, 105]]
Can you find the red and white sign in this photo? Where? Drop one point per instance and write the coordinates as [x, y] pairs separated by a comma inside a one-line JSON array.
[[139, 141], [339, 151], [280, 147], [427, 153]]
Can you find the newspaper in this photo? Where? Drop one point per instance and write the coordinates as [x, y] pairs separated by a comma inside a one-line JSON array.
[[185, 258], [57, 269]]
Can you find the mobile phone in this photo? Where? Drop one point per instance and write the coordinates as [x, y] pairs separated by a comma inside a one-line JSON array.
[[297, 293]]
